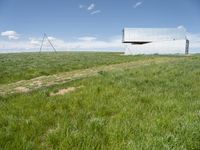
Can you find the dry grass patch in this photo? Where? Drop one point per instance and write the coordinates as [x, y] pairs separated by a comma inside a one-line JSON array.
[[22, 89], [65, 91]]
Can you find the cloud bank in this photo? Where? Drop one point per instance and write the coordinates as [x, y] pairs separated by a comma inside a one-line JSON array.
[[11, 42], [86, 43]]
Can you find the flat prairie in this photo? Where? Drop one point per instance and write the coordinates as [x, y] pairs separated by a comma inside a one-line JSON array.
[[99, 101]]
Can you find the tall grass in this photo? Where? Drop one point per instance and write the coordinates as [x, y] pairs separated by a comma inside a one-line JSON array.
[[20, 66], [151, 107]]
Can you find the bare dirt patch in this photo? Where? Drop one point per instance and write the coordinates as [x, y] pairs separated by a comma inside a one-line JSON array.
[[22, 89], [65, 91]]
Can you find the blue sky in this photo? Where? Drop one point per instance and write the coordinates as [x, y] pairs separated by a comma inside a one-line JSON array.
[[69, 22]]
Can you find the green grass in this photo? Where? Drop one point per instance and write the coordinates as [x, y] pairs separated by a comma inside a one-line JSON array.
[[149, 107], [61, 78], [23, 66]]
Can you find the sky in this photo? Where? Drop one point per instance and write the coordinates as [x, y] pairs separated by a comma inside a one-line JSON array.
[[90, 24]]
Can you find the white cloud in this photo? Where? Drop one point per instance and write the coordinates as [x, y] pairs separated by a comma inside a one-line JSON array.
[[194, 42], [91, 6], [51, 38], [16, 45], [81, 43], [34, 41], [137, 4], [87, 38], [95, 12], [182, 28], [193, 37], [91, 43], [96, 44], [90, 9], [11, 35]]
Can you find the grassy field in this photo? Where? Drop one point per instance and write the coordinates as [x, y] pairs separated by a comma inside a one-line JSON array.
[[153, 105], [20, 66]]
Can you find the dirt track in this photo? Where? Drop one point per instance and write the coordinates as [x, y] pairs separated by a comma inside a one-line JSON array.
[[46, 81]]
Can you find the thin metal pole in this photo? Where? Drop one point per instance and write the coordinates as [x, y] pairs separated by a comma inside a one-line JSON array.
[[50, 42], [42, 43]]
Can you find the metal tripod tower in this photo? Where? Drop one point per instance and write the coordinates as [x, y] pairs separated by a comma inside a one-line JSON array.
[[45, 36]]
